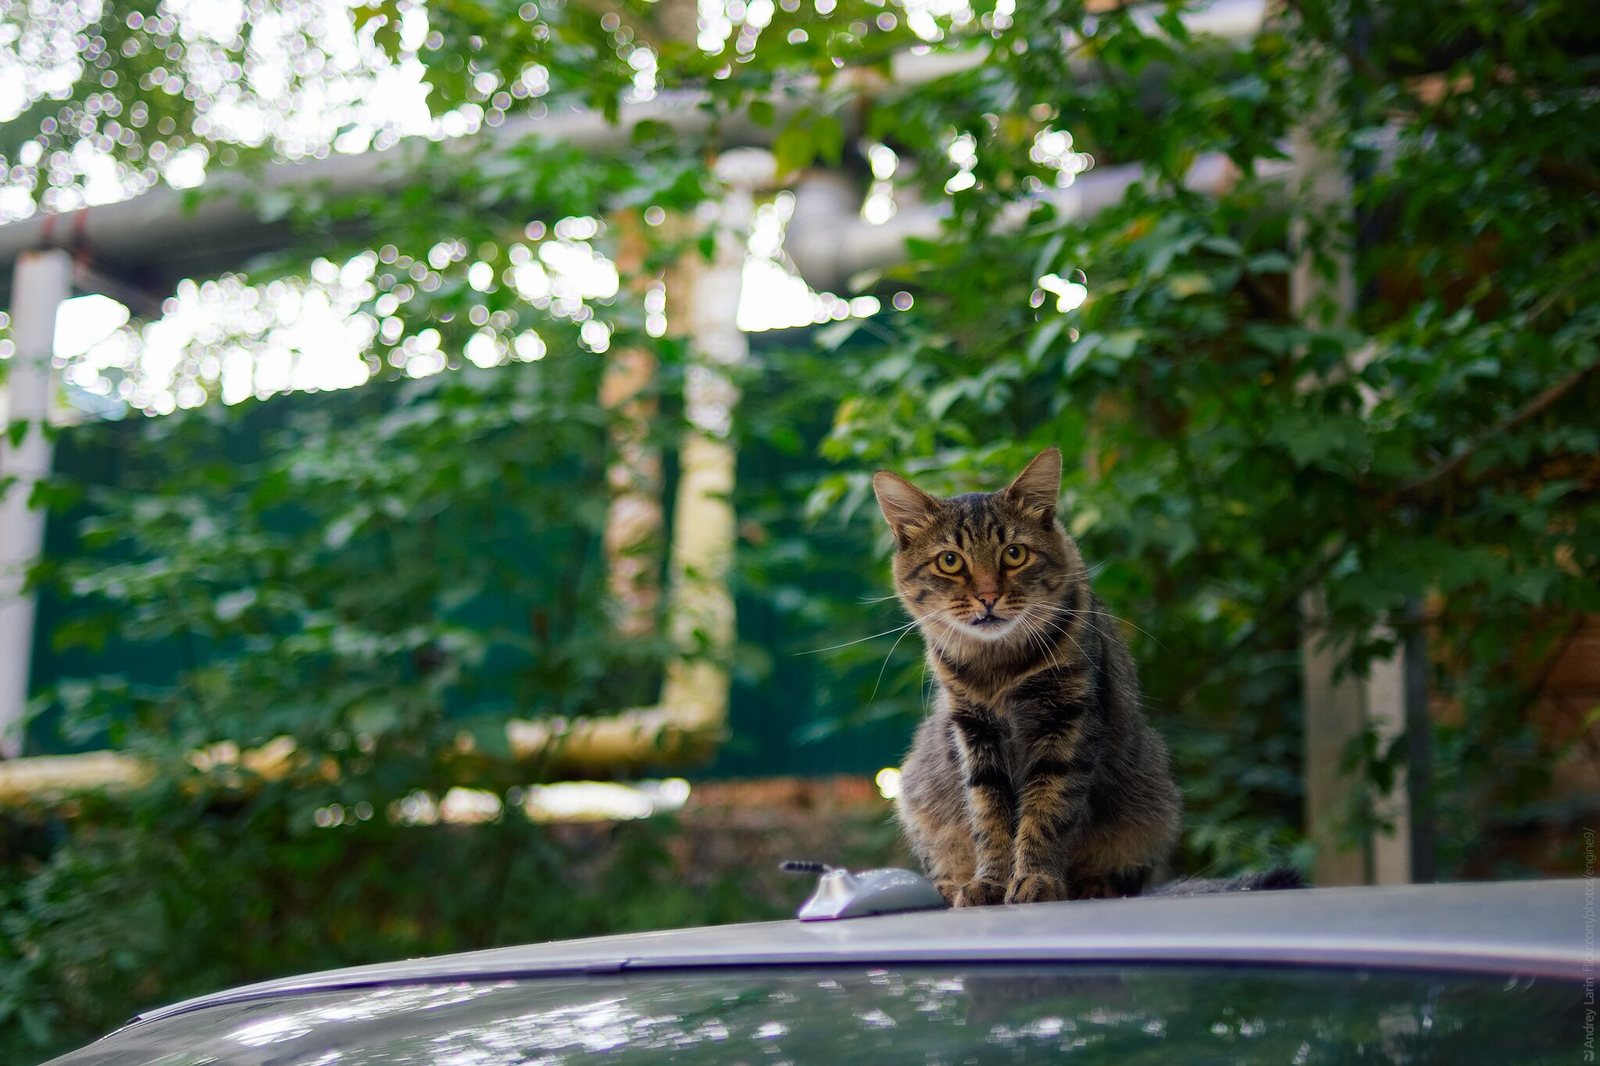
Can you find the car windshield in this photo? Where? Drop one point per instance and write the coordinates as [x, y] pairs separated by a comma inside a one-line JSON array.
[[1122, 1015]]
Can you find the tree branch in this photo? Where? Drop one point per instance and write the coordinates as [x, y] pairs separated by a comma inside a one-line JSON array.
[[1535, 407], [1564, 171]]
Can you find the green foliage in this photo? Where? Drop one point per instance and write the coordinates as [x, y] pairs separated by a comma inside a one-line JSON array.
[[1233, 455], [184, 893], [375, 585], [398, 564]]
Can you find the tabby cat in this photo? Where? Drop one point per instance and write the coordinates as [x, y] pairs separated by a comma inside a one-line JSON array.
[[1036, 777]]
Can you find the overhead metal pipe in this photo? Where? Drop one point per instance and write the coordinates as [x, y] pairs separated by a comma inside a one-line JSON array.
[[41, 282], [160, 236], [829, 243]]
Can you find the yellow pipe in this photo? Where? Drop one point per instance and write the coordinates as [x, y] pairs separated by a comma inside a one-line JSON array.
[[690, 720]]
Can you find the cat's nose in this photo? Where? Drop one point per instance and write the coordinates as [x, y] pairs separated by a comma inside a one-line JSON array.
[[988, 599]]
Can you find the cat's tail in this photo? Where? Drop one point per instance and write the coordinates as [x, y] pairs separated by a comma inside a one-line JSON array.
[[1282, 877]]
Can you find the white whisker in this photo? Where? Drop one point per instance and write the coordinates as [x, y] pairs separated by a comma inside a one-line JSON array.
[[1064, 609], [835, 647], [1131, 625], [1060, 610], [876, 684], [1037, 631]]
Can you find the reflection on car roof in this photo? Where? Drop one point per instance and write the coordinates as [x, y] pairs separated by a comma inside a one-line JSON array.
[[1530, 927]]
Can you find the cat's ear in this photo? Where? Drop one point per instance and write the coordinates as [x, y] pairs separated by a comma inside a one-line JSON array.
[[1035, 490], [906, 507]]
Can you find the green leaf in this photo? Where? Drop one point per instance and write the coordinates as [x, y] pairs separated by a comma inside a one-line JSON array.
[[1121, 344], [1269, 263], [1318, 440], [795, 147], [231, 605], [1046, 261], [373, 718], [489, 737], [941, 399], [1082, 350], [836, 334], [1191, 283], [1043, 338]]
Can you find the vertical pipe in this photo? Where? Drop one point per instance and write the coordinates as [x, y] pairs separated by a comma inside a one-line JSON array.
[[1334, 717], [634, 521], [1385, 703], [1338, 708], [1419, 747], [1322, 293], [700, 605], [41, 282]]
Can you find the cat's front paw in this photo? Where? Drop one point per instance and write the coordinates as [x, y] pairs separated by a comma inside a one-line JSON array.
[[979, 894], [948, 889], [1035, 888]]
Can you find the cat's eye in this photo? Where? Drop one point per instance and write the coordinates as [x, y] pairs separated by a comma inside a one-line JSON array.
[[948, 563], [1015, 555]]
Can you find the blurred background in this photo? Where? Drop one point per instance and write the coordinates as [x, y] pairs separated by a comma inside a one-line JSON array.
[[438, 437]]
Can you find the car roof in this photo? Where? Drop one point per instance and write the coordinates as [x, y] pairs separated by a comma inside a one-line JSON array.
[[1528, 927]]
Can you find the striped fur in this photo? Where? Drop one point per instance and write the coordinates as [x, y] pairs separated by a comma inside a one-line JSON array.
[[1036, 777]]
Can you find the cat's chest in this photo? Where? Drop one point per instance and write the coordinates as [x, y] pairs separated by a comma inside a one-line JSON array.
[[1016, 718], [1016, 704]]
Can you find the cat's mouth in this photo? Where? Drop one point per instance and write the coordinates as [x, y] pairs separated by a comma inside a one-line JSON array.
[[990, 623]]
